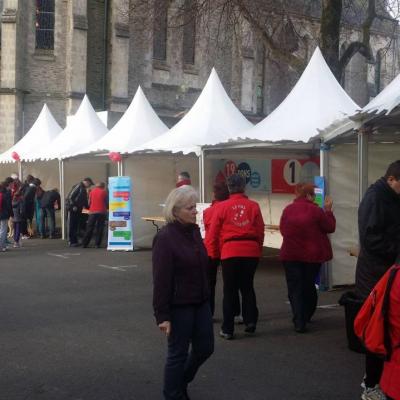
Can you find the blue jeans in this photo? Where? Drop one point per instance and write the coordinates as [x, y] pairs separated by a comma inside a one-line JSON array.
[[189, 325]]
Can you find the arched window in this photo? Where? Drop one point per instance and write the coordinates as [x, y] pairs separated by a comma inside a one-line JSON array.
[[45, 24], [189, 33], [160, 30]]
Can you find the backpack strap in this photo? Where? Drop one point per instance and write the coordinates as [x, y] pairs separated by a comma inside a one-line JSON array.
[[385, 312]]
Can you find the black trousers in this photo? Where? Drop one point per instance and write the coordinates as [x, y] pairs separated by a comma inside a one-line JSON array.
[[238, 275], [373, 370], [190, 325], [94, 221], [303, 297], [73, 226]]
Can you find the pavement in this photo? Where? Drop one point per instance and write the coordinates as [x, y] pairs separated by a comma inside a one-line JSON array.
[[77, 324]]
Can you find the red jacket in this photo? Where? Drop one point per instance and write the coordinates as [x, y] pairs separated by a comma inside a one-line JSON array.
[[98, 201], [237, 228], [207, 218], [390, 380], [304, 227]]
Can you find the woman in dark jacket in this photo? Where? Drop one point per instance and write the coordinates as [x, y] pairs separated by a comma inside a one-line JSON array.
[[181, 292], [304, 227]]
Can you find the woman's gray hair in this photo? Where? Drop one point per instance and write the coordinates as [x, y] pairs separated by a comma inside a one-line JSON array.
[[177, 199], [236, 183]]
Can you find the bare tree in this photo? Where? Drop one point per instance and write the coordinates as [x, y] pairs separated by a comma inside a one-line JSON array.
[[276, 21]]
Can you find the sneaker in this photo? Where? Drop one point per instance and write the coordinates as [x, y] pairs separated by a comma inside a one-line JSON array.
[[250, 328], [4, 249], [227, 336], [374, 393], [25, 237], [16, 245], [238, 319]]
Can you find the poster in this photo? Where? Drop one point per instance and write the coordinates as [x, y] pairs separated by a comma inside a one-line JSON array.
[[120, 213], [256, 172], [319, 182], [287, 173]]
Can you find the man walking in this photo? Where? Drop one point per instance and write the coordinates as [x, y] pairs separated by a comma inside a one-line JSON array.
[[379, 231], [77, 199]]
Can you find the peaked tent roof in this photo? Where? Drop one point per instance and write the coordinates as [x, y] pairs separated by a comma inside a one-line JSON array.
[[83, 129], [211, 120], [43, 131], [316, 101], [138, 125], [386, 100]]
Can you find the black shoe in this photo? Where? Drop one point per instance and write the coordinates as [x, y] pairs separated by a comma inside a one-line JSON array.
[[227, 336], [74, 244], [250, 328], [300, 329]]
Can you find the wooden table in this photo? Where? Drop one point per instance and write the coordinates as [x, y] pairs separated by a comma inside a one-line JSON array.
[[154, 221]]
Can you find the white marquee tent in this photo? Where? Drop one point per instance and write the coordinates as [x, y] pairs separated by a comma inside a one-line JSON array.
[[83, 129], [138, 125], [42, 133], [212, 119]]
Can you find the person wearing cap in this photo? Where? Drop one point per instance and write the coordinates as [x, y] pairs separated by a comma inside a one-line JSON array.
[[237, 236], [76, 200], [183, 179], [305, 227]]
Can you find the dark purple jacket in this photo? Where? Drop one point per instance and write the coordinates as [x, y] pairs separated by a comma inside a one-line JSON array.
[[180, 265]]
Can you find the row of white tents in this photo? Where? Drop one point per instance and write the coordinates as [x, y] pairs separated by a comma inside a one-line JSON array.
[[316, 110]]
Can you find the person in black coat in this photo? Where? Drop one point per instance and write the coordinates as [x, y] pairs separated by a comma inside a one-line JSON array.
[[379, 232], [181, 292], [49, 203], [77, 199]]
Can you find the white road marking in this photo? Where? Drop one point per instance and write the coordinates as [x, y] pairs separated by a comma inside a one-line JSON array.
[[117, 268], [63, 255]]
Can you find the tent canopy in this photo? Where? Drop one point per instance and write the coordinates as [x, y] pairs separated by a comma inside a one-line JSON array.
[[212, 119], [42, 132], [138, 125], [83, 129], [316, 101]]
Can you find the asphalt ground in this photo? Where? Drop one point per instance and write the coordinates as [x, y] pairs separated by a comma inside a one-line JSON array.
[[77, 324]]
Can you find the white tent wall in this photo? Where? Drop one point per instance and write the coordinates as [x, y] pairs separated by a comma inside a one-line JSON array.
[[8, 169], [343, 188], [153, 177]]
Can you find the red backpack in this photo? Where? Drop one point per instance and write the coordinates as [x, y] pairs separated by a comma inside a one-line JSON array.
[[371, 324]]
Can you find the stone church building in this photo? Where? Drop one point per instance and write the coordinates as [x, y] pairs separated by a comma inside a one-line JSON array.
[[55, 51]]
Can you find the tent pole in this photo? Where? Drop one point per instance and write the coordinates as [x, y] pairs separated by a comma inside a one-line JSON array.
[[21, 178], [62, 196], [362, 161], [201, 176]]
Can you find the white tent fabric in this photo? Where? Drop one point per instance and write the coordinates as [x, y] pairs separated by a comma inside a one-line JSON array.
[[83, 129], [386, 100], [212, 119], [138, 125], [316, 101], [42, 132]]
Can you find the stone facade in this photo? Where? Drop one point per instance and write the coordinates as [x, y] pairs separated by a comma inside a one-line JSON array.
[[104, 49]]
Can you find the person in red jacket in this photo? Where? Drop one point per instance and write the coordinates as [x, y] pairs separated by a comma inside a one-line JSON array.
[[98, 201], [304, 227], [390, 379], [221, 193], [237, 236]]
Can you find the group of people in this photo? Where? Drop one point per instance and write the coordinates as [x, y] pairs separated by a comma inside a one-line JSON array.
[[20, 203], [185, 269]]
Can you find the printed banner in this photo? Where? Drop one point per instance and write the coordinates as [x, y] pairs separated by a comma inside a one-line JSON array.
[[256, 172], [120, 213], [287, 173]]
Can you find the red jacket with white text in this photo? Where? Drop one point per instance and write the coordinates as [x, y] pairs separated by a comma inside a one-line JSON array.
[[237, 228], [304, 227]]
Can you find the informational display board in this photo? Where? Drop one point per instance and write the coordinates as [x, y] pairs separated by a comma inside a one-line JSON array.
[[319, 182], [287, 173], [256, 172], [120, 235]]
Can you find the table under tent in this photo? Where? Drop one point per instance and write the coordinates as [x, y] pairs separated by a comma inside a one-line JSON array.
[[358, 151]]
